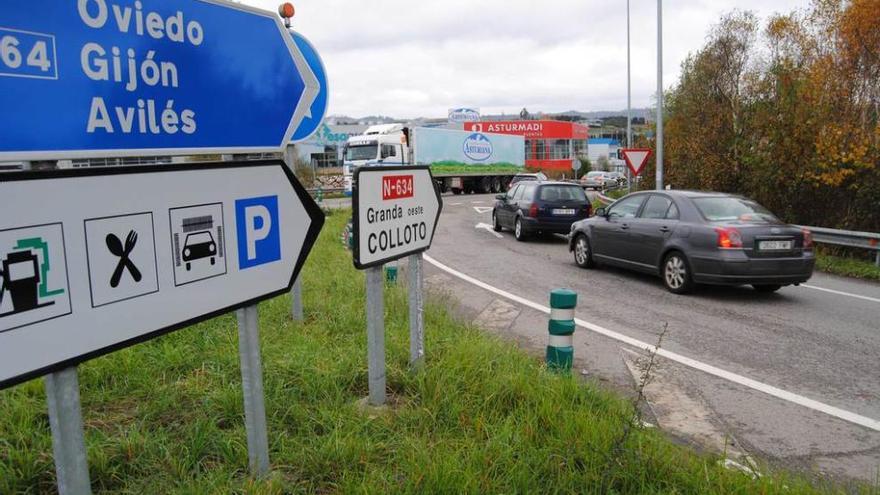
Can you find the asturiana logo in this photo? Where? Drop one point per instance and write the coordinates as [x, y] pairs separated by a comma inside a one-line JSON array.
[[464, 115], [477, 147]]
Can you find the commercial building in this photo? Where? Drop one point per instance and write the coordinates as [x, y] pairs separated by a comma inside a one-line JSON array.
[[600, 147], [325, 147], [550, 144]]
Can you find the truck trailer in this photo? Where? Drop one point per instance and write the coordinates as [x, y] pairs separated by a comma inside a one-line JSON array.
[[460, 161]]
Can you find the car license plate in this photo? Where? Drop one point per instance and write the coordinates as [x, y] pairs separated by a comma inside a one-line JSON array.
[[563, 211], [774, 245]]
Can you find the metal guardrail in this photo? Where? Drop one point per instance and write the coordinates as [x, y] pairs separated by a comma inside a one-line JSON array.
[[605, 199], [849, 238]]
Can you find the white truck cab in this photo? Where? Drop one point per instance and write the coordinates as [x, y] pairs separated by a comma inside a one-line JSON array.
[[385, 144]]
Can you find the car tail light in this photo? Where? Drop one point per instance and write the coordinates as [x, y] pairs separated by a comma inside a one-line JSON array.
[[808, 239], [533, 210], [729, 238]]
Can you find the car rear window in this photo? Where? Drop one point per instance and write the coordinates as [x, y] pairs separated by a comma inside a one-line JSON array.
[[727, 209], [562, 193]]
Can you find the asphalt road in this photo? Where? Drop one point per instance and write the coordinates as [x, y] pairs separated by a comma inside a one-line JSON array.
[[800, 343]]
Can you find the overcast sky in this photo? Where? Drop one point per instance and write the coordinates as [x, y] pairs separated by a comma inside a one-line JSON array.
[[421, 57]]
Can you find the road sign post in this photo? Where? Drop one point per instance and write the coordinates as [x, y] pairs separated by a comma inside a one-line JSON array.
[[296, 302], [395, 214], [416, 312], [252, 387], [376, 335], [68, 442]]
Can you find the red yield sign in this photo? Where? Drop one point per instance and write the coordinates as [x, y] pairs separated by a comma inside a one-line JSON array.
[[636, 158]]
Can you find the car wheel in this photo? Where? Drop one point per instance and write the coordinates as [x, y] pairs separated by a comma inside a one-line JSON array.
[[518, 231], [583, 255], [188, 266], [676, 273], [212, 260], [767, 287], [496, 225]]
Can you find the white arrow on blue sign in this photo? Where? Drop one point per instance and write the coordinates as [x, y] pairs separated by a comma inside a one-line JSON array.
[[92, 78], [318, 108]]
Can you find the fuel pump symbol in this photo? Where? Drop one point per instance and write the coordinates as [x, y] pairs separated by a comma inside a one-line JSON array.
[[23, 277]]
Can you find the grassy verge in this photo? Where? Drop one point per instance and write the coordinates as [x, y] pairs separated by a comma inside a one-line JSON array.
[[847, 267], [616, 193], [166, 416]]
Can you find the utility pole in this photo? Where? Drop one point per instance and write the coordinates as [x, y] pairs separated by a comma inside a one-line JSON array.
[[659, 151], [629, 136]]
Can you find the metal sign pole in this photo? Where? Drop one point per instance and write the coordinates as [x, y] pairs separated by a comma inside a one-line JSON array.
[[376, 335], [296, 307], [416, 312], [296, 302], [659, 151], [629, 135], [68, 443], [252, 385]]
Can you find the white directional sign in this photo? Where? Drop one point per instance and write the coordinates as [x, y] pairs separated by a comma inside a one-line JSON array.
[[395, 213], [94, 260]]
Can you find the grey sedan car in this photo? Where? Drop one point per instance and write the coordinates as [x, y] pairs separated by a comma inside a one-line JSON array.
[[690, 237]]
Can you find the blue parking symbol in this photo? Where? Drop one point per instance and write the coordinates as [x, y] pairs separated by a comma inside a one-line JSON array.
[[259, 237]]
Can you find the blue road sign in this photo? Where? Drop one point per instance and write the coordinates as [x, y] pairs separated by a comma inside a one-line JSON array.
[[92, 78], [316, 112]]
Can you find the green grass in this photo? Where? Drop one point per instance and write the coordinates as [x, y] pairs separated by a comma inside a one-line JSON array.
[[452, 167], [616, 193], [847, 267], [166, 416]]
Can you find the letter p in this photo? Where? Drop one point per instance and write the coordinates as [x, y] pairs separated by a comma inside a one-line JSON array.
[[259, 231], [258, 224]]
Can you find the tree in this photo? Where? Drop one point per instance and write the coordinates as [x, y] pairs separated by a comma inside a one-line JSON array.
[[793, 122], [585, 167]]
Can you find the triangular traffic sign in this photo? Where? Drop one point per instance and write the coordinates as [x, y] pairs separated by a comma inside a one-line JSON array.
[[636, 158]]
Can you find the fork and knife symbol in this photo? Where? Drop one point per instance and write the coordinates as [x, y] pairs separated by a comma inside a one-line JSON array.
[[114, 244]]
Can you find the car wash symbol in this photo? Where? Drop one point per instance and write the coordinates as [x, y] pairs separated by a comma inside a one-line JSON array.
[[123, 252], [199, 242], [24, 277]]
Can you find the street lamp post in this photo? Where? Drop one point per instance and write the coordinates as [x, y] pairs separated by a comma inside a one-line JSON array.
[[629, 136], [659, 151]]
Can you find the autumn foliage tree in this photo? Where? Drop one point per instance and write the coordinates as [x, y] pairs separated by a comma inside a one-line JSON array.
[[787, 113]]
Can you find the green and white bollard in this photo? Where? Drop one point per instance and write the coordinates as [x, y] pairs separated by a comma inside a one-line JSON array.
[[560, 349]]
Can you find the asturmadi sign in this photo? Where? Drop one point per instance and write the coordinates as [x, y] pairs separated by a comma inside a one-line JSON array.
[[94, 78], [395, 213], [95, 260]]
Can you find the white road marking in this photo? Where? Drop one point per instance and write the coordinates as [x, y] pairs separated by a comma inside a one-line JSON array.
[[841, 293], [477, 202], [454, 204], [482, 209], [779, 393], [488, 229]]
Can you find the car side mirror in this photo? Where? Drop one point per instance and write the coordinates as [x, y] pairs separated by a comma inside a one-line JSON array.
[[601, 212], [501, 197]]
